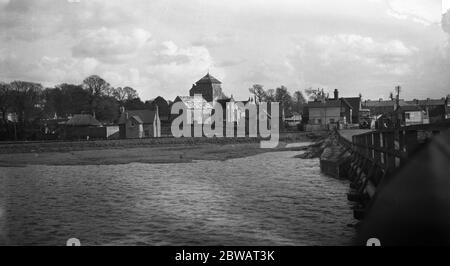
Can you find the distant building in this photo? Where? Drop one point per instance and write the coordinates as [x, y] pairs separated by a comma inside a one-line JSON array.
[[355, 104], [209, 87], [293, 120], [84, 126], [406, 115], [381, 106], [435, 108], [134, 124], [197, 108], [234, 111], [163, 107], [328, 113], [447, 108]]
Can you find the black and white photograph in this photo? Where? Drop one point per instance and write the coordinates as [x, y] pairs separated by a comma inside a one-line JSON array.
[[213, 123]]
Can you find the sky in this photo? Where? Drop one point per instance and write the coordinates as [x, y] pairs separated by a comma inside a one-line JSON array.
[[162, 47]]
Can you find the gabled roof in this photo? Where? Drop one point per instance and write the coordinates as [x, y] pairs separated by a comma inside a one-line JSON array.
[[138, 119], [194, 102], [208, 79], [83, 120], [145, 116], [344, 100], [355, 102]]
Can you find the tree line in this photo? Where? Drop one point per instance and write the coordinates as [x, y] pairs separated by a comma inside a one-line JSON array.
[[289, 103], [32, 103]]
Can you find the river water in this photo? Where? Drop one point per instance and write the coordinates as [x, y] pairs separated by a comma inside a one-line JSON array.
[[267, 199]]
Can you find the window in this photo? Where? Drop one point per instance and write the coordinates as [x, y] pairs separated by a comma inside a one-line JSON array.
[[331, 120], [407, 116]]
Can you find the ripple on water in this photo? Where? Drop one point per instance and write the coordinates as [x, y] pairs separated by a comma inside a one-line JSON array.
[[267, 199]]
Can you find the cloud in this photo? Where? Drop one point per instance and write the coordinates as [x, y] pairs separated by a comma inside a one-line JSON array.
[[446, 22], [425, 12], [110, 45], [348, 51], [161, 47]]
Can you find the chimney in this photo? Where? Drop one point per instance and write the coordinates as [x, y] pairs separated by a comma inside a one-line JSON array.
[[336, 94]]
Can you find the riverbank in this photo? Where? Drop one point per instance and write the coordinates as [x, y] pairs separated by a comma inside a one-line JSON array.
[[141, 151]]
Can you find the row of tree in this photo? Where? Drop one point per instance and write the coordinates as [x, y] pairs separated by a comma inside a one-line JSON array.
[[289, 103], [32, 103]]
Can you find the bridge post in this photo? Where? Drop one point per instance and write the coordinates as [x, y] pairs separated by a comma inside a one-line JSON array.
[[389, 149], [377, 146], [411, 141]]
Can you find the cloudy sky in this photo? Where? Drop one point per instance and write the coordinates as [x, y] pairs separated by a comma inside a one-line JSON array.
[[162, 47]]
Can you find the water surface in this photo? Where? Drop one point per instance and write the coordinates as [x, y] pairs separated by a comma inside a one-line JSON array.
[[267, 199]]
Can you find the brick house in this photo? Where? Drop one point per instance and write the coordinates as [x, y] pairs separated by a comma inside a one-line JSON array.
[[135, 124], [329, 112]]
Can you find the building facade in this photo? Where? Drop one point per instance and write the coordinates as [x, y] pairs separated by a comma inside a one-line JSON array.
[[209, 87], [139, 124]]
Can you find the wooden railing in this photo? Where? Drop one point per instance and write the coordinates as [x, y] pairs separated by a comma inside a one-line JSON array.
[[377, 154], [388, 149]]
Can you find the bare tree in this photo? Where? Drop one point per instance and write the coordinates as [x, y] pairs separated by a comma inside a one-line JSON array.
[[5, 100], [124, 94], [26, 98], [258, 91], [315, 94], [299, 101], [97, 86]]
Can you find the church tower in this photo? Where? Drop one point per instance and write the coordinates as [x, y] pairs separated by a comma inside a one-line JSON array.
[[209, 87]]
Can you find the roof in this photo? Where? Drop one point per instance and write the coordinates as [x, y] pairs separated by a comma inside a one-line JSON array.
[[410, 108], [355, 102], [194, 102], [83, 120], [138, 119], [329, 103], [388, 103], [344, 100], [208, 79], [428, 102], [145, 116]]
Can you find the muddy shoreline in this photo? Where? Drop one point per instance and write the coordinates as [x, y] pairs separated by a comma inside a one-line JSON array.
[[141, 151]]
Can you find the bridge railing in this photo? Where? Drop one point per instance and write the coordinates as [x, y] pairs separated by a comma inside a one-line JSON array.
[[391, 148]]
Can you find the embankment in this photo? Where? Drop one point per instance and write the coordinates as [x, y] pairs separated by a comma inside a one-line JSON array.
[[162, 150]]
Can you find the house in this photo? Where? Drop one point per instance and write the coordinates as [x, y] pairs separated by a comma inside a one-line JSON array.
[[355, 104], [234, 111], [197, 108], [136, 124], [163, 107], [328, 112], [413, 115], [84, 126], [403, 116], [381, 106], [435, 108]]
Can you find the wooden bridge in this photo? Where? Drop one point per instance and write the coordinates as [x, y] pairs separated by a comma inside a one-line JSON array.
[[377, 155]]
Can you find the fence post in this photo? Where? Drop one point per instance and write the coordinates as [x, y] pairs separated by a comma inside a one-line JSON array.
[[389, 150], [411, 142]]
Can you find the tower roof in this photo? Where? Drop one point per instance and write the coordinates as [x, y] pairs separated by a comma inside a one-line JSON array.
[[209, 79]]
